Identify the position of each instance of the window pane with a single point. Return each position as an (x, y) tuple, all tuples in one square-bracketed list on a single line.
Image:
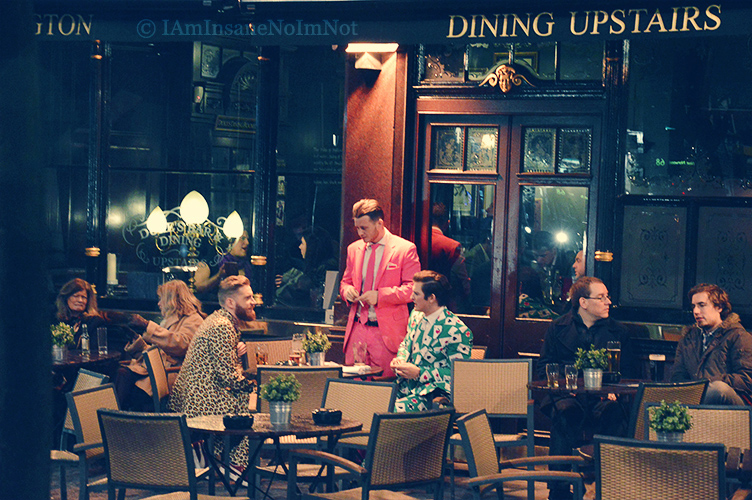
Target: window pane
[(553, 224), (461, 242), (689, 126)]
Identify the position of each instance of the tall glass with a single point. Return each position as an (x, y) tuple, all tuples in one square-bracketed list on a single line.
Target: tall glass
[(102, 340), (552, 373), (296, 354), (262, 355), (570, 375), (613, 348)]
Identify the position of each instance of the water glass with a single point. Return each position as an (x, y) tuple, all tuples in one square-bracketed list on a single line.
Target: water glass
[(613, 348), (262, 355), (570, 375), (552, 373), (102, 340), (297, 348)]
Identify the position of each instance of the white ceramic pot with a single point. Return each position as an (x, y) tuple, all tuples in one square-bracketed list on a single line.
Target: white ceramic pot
[(593, 378), (317, 358), (59, 352), (279, 412), (670, 437)]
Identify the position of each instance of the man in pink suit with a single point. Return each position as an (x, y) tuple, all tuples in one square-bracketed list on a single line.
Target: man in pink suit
[(378, 285)]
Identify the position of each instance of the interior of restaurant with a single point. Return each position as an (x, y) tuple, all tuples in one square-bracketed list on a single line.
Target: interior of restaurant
[(635, 150)]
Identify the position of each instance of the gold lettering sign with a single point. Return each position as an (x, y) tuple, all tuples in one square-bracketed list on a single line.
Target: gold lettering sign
[(587, 22), (63, 24), (235, 124)]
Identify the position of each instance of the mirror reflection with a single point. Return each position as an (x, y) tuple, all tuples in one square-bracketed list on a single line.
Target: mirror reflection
[(553, 225), (461, 242)]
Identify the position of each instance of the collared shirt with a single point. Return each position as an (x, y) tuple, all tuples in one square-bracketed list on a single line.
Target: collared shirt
[(707, 337), (377, 247), (430, 319)]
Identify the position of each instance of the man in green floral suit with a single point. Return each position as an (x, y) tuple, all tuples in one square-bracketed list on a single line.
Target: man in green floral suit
[(435, 336)]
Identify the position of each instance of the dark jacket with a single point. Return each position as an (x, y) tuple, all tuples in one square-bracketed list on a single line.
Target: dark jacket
[(728, 357), (568, 333)]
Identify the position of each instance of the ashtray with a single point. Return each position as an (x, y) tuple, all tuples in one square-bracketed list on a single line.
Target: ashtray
[(611, 377), (326, 416), (238, 421)]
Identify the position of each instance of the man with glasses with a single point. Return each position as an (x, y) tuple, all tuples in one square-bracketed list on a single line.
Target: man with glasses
[(587, 323), (717, 348)]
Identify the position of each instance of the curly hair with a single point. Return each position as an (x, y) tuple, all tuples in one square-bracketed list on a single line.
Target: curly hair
[(716, 295), (177, 299)]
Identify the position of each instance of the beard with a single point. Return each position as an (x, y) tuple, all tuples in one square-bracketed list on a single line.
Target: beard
[(245, 314)]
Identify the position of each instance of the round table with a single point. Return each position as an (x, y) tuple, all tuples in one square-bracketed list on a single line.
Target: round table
[(300, 426), (627, 387)]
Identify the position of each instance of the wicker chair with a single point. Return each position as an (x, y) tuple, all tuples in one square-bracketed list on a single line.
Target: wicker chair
[(63, 459), (689, 393), (405, 450), (85, 379), (485, 470), (83, 406), (277, 350), (160, 389), (149, 451), (478, 352), (629, 468)]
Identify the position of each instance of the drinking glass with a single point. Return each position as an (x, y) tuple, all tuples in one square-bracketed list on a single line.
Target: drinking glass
[(552, 373), (613, 348), (297, 348), (570, 375), (262, 355), (102, 340)]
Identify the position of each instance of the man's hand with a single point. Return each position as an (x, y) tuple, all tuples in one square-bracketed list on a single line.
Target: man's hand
[(351, 294), (371, 297), (242, 349), (404, 369)]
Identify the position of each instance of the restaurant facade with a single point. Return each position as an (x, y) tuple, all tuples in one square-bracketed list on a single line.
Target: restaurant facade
[(619, 129)]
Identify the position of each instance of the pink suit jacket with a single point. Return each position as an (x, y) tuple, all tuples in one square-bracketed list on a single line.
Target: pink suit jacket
[(394, 282)]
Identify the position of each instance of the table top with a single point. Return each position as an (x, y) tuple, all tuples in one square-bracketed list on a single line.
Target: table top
[(302, 426), (625, 387), (74, 358), (347, 371)]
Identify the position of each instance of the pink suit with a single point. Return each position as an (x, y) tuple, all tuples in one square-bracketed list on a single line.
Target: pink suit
[(395, 286)]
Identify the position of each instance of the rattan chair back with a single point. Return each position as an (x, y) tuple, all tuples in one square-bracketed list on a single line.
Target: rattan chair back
[(478, 443), (478, 352), (85, 379), (160, 389), (148, 451), (407, 449), (84, 405), (629, 468), (359, 400), (313, 382), (729, 425), (500, 386), (277, 350), (689, 393)]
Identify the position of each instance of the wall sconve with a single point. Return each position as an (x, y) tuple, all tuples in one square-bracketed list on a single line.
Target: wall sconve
[(370, 54), (191, 224)]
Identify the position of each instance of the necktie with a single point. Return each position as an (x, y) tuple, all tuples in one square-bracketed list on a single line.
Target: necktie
[(368, 283)]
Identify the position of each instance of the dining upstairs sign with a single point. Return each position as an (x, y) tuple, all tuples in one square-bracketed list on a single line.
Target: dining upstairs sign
[(586, 23)]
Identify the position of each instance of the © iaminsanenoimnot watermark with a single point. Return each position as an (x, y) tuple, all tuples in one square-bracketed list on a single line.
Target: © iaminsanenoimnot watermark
[(147, 28)]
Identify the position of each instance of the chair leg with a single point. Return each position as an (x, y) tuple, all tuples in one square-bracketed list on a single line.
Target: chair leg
[(83, 490), (63, 484)]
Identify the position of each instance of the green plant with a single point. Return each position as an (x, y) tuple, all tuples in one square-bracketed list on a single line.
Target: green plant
[(316, 342), (672, 417), (62, 334), (592, 358), (281, 388)]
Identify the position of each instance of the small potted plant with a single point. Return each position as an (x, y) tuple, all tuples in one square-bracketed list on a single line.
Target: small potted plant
[(280, 392), (670, 421), (62, 337), (592, 363), (316, 345)]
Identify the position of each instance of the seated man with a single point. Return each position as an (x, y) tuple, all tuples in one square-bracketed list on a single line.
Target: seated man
[(587, 323), (434, 337), (717, 348)]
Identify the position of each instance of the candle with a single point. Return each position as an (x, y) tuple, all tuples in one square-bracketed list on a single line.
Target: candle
[(112, 269)]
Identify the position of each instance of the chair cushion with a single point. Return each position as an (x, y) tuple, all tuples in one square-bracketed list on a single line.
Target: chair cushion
[(499, 439), (61, 456)]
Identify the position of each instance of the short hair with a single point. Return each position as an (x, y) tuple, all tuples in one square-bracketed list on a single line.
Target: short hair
[(717, 296), (580, 289), (433, 283), (368, 207), (72, 287), (230, 286), (178, 299), (439, 214)]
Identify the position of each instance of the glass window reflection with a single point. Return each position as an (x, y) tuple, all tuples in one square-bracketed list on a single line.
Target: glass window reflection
[(461, 242), (553, 224)]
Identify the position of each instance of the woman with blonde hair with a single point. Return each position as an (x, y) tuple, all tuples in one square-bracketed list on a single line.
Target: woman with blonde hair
[(182, 315)]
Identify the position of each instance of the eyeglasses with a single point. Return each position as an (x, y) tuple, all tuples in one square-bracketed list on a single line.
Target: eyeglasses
[(602, 298)]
